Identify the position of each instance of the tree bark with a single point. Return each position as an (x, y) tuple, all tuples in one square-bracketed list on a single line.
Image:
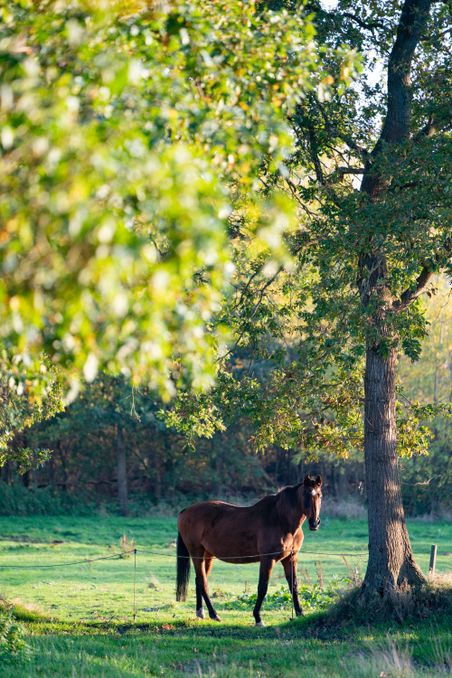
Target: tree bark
[(122, 472), (391, 567)]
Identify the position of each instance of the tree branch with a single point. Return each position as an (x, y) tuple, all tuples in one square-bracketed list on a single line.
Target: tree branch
[(313, 147), (368, 25), (346, 138), (428, 270), (411, 294), (428, 130), (295, 194), (349, 170), (433, 125)]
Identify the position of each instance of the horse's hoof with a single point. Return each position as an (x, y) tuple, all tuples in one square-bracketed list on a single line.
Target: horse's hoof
[(260, 623), (217, 618), (200, 614)]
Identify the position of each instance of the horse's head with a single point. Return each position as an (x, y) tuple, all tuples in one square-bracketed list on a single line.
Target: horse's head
[(312, 500)]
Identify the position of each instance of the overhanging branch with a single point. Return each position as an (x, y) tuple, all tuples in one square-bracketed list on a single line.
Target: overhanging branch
[(368, 25), (349, 170), (413, 293), (428, 270)]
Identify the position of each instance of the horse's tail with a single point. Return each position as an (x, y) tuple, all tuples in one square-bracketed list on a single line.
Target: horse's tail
[(183, 569)]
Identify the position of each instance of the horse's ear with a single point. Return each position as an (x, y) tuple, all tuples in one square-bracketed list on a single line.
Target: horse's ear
[(318, 480), (307, 480)]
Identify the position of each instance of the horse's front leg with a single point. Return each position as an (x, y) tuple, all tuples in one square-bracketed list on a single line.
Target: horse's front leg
[(265, 570), (290, 570)]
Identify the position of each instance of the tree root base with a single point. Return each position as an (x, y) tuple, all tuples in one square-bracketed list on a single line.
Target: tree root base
[(368, 606)]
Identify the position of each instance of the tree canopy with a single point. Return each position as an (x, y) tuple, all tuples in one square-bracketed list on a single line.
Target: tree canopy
[(310, 321), (130, 133)]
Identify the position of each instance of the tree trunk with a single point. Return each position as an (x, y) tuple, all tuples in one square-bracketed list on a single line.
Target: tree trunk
[(157, 488), (27, 479), (122, 472), (391, 567), (8, 473)]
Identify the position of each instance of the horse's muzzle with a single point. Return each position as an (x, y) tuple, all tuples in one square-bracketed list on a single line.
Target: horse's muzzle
[(314, 525)]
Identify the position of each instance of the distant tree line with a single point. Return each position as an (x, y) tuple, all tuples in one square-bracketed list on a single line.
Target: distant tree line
[(113, 443)]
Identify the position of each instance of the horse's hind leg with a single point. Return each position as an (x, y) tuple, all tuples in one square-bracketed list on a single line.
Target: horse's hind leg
[(208, 562), (201, 569), (265, 570), (290, 570)]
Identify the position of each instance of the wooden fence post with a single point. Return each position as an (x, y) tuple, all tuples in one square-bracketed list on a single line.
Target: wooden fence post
[(431, 567)]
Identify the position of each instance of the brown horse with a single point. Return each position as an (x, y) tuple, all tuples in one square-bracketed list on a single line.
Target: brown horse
[(267, 532)]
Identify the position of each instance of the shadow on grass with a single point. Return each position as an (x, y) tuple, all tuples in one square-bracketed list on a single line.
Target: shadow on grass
[(210, 649), (206, 649)]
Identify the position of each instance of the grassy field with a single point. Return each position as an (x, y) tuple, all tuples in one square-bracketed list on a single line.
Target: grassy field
[(80, 618)]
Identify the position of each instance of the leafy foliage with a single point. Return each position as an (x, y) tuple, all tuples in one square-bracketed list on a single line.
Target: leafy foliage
[(30, 392), (84, 441), (312, 597), (428, 382), (12, 635), (17, 500), (128, 136)]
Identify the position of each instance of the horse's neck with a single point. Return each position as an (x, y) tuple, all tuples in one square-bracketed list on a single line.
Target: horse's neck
[(290, 513)]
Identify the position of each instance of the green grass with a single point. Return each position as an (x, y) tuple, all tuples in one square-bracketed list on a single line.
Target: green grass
[(80, 622)]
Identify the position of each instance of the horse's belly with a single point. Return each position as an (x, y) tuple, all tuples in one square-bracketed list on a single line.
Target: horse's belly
[(240, 560), (232, 546)]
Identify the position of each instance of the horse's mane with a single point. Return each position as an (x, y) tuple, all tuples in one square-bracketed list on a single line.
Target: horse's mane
[(284, 488), (283, 500), (286, 498)]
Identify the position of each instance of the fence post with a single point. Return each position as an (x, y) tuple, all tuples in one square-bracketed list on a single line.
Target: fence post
[(431, 567), (134, 585)]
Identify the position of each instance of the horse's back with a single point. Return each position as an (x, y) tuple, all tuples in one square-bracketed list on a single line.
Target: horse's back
[(205, 514), (214, 510), (223, 529)]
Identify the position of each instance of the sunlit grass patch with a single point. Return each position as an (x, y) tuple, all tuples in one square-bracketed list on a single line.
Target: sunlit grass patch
[(80, 618)]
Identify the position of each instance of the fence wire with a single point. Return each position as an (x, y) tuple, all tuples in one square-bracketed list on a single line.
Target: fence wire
[(135, 551)]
